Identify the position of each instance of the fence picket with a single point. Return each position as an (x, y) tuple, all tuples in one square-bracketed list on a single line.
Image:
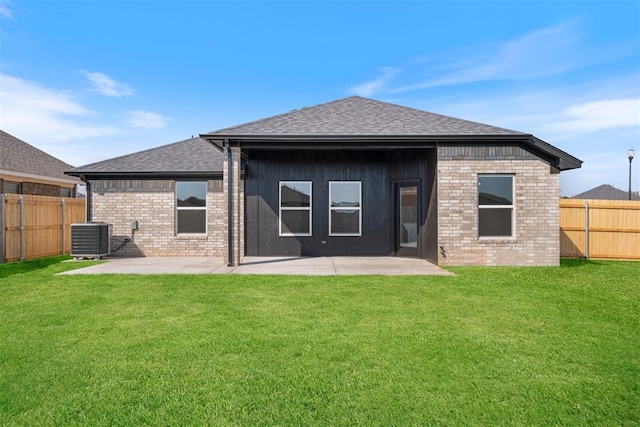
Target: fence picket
[(37, 226), (606, 229)]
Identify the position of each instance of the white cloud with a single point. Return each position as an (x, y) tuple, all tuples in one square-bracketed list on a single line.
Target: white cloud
[(600, 115), (544, 52), (5, 9), (147, 119), (596, 121), (541, 53), (376, 85), (35, 113), (107, 86)]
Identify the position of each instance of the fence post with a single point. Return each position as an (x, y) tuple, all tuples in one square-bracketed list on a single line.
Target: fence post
[(64, 222), (21, 201), (586, 229), (3, 222)]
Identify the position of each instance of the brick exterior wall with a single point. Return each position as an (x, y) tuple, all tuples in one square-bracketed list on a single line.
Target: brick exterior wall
[(152, 204), (237, 223), (37, 189), (536, 240)]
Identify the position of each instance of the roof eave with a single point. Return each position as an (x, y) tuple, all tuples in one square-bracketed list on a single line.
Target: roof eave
[(211, 137), (88, 174), (364, 142), (565, 160)]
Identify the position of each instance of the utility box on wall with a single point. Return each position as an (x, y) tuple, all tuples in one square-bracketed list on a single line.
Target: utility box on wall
[(90, 240)]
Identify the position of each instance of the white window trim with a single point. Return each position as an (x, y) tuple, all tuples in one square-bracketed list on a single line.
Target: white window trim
[(195, 208), (338, 208), (280, 209), (512, 206)]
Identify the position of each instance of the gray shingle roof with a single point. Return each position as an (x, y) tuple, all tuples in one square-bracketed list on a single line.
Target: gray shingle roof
[(190, 156), (18, 156), (606, 192), (357, 116), (350, 117)]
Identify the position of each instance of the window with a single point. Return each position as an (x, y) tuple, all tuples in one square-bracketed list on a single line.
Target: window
[(295, 208), (191, 207), (495, 205), (12, 187), (345, 199), (66, 192)]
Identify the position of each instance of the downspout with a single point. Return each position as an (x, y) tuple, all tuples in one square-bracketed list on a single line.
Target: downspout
[(229, 204), (89, 200)]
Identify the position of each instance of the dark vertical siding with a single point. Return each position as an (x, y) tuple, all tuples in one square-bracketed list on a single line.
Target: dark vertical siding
[(377, 170)]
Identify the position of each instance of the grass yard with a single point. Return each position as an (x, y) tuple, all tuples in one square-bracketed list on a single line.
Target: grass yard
[(489, 346)]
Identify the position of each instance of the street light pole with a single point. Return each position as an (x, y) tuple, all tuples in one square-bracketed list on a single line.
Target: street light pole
[(630, 154)]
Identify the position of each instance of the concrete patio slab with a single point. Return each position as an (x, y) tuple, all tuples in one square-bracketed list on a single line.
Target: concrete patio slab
[(152, 265), (315, 266)]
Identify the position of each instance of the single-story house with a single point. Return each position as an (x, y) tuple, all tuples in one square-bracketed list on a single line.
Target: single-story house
[(606, 192), (353, 177), (24, 169)]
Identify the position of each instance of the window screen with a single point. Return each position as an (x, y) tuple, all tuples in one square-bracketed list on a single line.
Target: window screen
[(495, 205), (191, 207), (295, 208), (345, 200)]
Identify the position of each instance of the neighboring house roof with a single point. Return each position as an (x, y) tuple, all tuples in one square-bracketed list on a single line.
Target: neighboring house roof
[(24, 160), (191, 157), (357, 122), (606, 192)]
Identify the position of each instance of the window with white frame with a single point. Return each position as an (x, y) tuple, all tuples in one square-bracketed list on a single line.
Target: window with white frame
[(295, 208), (495, 205), (191, 207), (345, 211)]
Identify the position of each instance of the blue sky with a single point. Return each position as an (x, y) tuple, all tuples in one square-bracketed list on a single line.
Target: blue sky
[(90, 80)]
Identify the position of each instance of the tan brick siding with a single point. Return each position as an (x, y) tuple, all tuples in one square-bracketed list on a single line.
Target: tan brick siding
[(152, 204), (536, 238), (237, 222)]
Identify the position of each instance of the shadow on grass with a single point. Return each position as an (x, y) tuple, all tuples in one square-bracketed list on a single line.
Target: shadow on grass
[(577, 262), (18, 267)]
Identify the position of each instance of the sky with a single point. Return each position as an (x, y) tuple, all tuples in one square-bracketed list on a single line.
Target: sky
[(88, 80)]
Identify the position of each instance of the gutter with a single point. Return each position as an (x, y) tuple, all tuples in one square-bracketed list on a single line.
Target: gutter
[(146, 175), (214, 138)]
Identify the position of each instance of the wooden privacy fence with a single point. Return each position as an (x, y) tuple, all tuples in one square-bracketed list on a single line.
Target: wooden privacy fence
[(600, 229), (37, 226)]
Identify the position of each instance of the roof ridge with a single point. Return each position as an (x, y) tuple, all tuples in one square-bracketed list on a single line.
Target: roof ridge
[(295, 110), (291, 116)]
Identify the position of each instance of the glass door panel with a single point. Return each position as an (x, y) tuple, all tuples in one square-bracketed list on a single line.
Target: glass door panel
[(408, 217)]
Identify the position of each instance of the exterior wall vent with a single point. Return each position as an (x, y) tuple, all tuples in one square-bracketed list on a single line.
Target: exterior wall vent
[(90, 240)]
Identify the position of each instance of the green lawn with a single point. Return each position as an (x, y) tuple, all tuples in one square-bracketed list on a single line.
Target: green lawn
[(489, 346)]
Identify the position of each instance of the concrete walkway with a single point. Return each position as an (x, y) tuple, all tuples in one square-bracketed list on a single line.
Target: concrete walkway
[(316, 266)]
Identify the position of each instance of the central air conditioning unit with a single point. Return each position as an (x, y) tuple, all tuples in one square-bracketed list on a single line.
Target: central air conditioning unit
[(90, 240)]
